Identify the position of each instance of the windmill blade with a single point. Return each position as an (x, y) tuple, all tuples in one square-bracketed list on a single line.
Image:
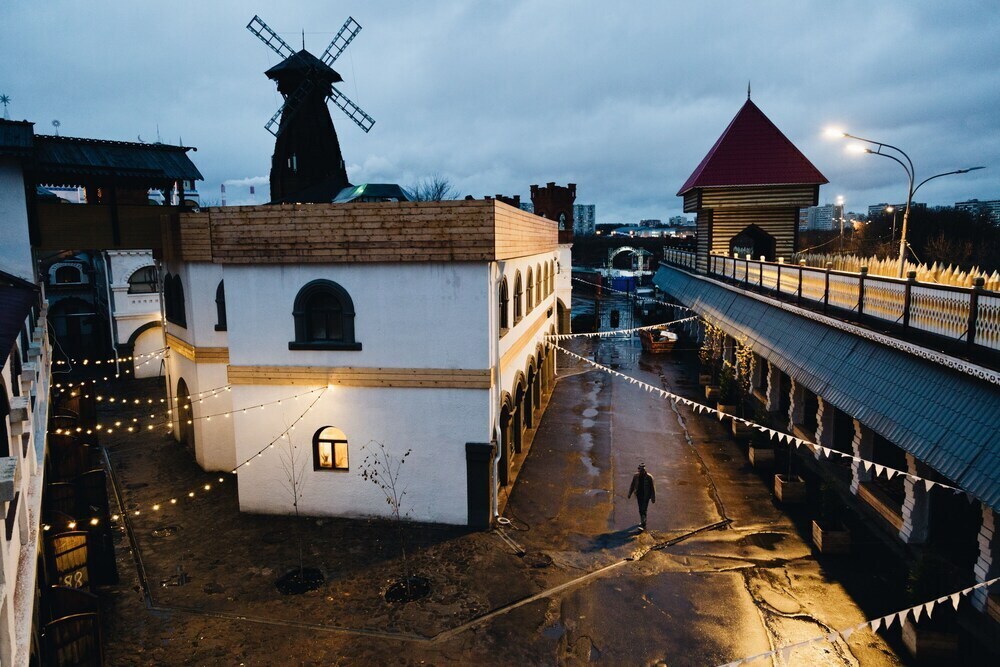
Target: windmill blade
[(269, 37), (353, 111), (347, 33), (291, 105)]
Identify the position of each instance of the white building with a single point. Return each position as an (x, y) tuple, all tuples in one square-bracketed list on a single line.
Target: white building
[(822, 218), (584, 219), (418, 325), (131, 297)]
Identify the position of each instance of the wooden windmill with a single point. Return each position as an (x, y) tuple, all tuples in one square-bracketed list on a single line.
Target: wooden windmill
[(307, 165)]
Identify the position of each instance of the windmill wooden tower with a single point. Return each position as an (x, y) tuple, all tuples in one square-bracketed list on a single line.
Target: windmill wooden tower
[(307, 165)]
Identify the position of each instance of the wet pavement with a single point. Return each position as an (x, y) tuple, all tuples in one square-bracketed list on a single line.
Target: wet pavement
[(721, 574)]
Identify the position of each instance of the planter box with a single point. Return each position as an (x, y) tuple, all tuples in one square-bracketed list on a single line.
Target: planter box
[(929, 644), (727, 408), (831, 539), (761, 457), (712, 392), (790, 490), (741, 431), (705, 379)]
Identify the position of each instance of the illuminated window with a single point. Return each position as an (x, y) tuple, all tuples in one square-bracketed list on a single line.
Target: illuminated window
[(330, 449)]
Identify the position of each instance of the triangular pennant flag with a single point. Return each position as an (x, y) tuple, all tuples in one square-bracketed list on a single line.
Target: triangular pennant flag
[(721, 415), (867, 465), (876, 624), (889, 620), (917, 612), (785, 653), (955, 599), (879, 469), (783, 437), (928, 484), (832, 637), (846, 634), (890, 473)]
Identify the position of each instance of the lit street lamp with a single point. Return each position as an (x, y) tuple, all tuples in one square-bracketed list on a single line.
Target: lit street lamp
[(892, 209), (910, 175)]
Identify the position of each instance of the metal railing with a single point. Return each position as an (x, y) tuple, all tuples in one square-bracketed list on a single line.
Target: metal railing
[(969, 315)]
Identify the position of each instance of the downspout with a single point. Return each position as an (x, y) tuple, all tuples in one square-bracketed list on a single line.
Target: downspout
[(111, 308), (494, 281)]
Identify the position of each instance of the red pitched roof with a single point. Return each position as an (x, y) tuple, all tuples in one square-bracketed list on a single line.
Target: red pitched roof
[(753, 151)]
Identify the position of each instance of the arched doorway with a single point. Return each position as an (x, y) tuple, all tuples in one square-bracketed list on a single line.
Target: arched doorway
[(517, 417), (562, 317), (753, 241), (529, 398), (503, 474), (75, 325), (185, 414)]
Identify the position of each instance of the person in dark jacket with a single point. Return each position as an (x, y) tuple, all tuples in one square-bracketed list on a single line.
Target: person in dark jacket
[(642, 487)]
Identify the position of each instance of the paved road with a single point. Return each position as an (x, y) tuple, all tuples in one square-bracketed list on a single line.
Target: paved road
[(713, 598)]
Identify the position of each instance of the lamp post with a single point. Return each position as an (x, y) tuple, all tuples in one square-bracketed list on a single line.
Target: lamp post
[(910, 175), (892, 209), (840, 205)]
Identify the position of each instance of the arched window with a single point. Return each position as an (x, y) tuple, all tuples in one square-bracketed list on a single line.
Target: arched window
[(168, 297), (504, 306), (518, 292), (324, 318), (552, 278), (175, 302), (68, 275), (330, 449), (143, 281), (220, 306), (530, 292), (538, 285)]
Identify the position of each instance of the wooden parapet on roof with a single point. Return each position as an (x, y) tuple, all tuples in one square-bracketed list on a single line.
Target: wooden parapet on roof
[(748, 189), (446, 231)]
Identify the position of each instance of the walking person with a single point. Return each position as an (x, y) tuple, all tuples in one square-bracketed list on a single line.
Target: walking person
[(642, 487)]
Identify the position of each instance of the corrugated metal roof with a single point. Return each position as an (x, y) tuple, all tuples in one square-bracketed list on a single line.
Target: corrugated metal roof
[(752, 151), (946, 419), (58, 157), (16, 137)]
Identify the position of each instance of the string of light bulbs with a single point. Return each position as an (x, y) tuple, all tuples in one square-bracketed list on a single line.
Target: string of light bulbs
[(135, 426), (617, 332), (98, 362), (786, 438), (886, 622), (204, 488)]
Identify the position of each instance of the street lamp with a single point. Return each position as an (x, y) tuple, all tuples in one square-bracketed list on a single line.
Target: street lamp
[(910, 175), (892, 209), (840, 204)]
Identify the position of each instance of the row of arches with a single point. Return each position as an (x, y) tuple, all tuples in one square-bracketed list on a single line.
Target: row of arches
[(519, 410), (540, 284)]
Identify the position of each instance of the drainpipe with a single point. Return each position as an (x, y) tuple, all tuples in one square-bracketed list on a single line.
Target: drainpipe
[(494, 280), (111, 308)]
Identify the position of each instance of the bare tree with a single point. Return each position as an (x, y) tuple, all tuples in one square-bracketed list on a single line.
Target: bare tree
[(435, 188), (382, 469), (294, 465)]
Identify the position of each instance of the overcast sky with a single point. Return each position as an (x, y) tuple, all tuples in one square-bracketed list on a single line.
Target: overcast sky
[(623, 99)]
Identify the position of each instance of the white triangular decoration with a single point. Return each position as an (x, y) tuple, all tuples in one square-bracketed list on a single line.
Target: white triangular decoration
[(879, 469), (890, 473), (889, 620), (928, 484), (846, 634), (876, 624), (955, 599), (917, 612), (785, 653), (867, 465)]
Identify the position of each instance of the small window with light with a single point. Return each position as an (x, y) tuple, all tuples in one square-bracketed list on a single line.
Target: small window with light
[(330, 449)]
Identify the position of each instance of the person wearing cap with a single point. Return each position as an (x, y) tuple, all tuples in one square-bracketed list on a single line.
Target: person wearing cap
[(642, 487)]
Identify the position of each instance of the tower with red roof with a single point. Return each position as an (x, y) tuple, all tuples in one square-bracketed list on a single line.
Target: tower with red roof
[(748, 189)]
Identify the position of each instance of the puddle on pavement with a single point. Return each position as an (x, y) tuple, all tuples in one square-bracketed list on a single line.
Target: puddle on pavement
[(554, 631), (588, 463), (594, 492), (764, 540), (165, 531), (590, 412)]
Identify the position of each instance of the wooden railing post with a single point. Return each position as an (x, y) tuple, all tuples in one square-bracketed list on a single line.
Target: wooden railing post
[(826, 287), (777, 284), (746, 271), (911, 277), (760, 273), (798, 295), (861, 289), (977, 287)]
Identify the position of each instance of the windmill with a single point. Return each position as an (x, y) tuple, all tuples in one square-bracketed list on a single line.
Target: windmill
[(307, 165)]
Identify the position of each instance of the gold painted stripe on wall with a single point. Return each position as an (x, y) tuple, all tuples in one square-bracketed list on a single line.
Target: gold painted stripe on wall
[(199, 355), (526, 337), (434, 378)]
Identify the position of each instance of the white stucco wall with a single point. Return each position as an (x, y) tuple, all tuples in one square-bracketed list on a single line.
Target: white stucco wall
[(435, 424), (538, 319), (200, 280), (214, 441), (15, 250), (131, 311), (147, 365), (412, 315)]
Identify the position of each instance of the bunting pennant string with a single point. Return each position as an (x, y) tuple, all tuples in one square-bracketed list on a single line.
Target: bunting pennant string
[(773, 433), (883, 622), (635, 296), (617, 332), (201, 489)]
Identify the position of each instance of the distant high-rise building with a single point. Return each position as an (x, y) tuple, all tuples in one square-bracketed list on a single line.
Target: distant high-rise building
[(584, 219), (822, 218), (975, 206), (650, 222), (527, 206), (680, 221)]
